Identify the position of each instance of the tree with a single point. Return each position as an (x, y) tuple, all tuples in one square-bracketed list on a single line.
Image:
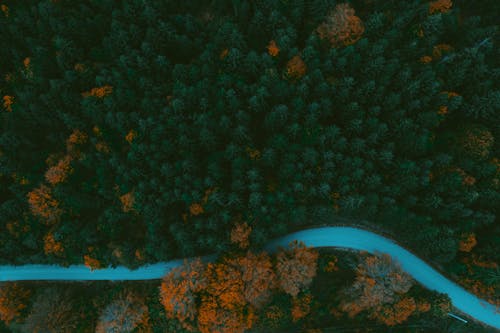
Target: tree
[(341, 27), (52, 311), (380, 289), (178, 291), (122, 315), (257, 275), (13, 300), (240, 234), (440, 6), (467, 242), (58, 173), (296, 67), (296, 267), (43, 204)]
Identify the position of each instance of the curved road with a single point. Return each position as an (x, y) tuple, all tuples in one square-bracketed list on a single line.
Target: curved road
[(344, 237)]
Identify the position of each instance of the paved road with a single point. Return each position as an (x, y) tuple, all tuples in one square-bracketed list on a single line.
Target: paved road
[(343, 237)]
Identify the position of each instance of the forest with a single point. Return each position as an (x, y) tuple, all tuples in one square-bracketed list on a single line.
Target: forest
[(140, 131)]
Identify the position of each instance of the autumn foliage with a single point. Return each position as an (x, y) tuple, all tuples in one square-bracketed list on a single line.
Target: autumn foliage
[(341, 27), (127, 201), (296, 67), (301, 306), (7, 102), (440, 6), (240, 234), (43, 205), (5, 10), (380, 289), (179, 289), (99, 92), (51, 246), (224, 296), (59, 172), (13, 299), (296, 267), (467, 242), (91, 263), (477, 141), (130, 136), (273, 49), (196, 209), (123, 314)]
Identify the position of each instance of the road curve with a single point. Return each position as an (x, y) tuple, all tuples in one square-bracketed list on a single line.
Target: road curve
[(343, 237)]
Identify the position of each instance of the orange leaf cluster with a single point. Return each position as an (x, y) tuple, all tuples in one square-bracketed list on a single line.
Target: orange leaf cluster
[(42, 204), (102, 147), (214, 319), (240, 234), (481, 290), (196, 209), (440, 6), (332, 265), (127, 201), (79, 67), (223, 54), (437, 51), (301, 306), (397, 313), (467, 242), (59, 172), (51, 246), (99, 92), (254, 154), (91, 263), (77, 137), (7, 102), (423, 307), (5, 10), (425, 59), (479, 262), (273, 49), (13, 299), (130, 136), (296, 267), (342, 27), (443, 109), (296, 67)]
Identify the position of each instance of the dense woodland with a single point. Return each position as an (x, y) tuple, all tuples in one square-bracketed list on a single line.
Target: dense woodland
[(141, 131)]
